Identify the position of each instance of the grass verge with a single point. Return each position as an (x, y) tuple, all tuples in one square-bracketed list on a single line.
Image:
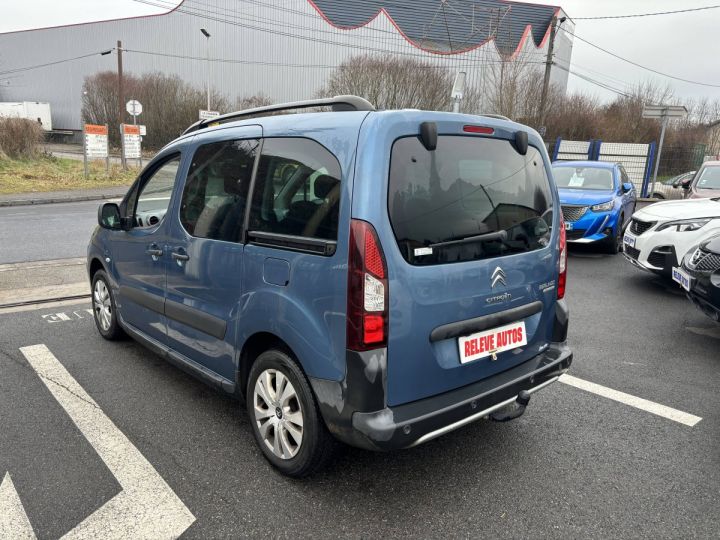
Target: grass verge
[(49, 173)]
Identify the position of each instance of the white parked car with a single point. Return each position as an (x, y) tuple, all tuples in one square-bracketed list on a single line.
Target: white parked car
[(660, 235)]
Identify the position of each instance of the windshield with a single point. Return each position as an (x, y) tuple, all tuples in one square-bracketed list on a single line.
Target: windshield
[(583, 178), (472, 198), (709, 178)]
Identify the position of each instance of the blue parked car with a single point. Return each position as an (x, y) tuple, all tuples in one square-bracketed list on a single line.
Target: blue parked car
[(597, 200), (376, 278)]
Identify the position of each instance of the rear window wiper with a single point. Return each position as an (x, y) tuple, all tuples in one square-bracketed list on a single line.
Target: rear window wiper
[(488, 237)]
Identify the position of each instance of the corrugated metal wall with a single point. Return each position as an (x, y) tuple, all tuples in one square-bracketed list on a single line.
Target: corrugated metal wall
[(284, 50)]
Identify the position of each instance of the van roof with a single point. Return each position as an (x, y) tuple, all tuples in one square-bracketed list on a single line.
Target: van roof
[(297, 124)]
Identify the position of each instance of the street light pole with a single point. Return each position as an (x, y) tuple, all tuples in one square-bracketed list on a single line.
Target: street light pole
[(207, 62)]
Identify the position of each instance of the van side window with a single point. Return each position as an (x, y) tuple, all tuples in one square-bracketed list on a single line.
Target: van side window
[(153, 197), (215, 193), (297, 189)]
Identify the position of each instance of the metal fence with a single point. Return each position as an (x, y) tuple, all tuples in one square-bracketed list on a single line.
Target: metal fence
[(675, 160)]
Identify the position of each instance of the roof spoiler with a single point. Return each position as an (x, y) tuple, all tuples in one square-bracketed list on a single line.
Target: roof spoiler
[(337, 103)]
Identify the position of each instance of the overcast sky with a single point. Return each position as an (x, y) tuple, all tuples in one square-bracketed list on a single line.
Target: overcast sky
[(684, 45)]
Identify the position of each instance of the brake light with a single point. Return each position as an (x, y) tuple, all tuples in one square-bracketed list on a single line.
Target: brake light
[(367, 294), (562, 264), (479, 129)]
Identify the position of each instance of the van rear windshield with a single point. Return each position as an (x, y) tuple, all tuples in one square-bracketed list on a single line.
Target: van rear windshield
[(472, 198)]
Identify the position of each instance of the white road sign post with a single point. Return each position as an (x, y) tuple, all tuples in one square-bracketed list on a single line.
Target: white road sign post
[(134, 108), (663, 113), (95, 144), (208, 115)]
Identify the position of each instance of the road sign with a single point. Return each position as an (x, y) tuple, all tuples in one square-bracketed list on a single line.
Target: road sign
[(96, 141), (131, 141), (207, 115), (134, 107), (143, 130), (664, 111)]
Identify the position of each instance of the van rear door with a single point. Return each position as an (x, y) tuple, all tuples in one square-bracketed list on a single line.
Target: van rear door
[(474, 267)]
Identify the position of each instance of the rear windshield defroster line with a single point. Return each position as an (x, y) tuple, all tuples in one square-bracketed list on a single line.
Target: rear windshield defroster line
[(472, 198)]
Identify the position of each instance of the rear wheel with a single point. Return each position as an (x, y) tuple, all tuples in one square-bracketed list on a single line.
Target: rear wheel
[(104, 310), (285, 417), (614, 243)]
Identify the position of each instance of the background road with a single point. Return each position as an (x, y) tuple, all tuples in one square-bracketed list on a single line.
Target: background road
[(575, 465), (46, 231)]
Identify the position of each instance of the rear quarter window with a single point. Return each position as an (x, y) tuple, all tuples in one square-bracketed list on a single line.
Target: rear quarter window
[(472, 198)]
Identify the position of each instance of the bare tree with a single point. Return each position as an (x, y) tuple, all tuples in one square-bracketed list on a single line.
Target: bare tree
[(250, 102), (391, 82), (169, 104)]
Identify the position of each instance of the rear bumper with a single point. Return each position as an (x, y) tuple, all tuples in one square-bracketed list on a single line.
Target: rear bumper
[(408, 425)]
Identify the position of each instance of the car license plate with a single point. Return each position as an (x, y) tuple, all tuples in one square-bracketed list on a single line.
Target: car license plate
[(492, 342), (629, 240), (568, 226), (679, 275)]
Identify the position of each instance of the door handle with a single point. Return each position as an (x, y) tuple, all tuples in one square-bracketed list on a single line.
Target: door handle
[(180, 257), (154, 251)]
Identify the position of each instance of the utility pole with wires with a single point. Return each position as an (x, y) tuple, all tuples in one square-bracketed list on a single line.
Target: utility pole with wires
[(121, 100), (548, 68)]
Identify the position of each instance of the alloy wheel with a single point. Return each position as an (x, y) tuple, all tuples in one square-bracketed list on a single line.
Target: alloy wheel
[(278, 413), (102, 305)]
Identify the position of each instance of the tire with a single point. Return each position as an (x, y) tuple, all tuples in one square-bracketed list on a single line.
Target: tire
[(276, 422), (104, 310), (614, 245), (658, 195)]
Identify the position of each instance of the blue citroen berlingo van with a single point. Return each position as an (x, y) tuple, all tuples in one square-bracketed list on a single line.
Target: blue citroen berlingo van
[(378, 278)]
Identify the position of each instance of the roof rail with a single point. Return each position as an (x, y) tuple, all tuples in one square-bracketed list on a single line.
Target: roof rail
[(338, 103), (496, 116)]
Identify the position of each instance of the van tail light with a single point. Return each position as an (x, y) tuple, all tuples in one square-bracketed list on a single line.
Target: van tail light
[(367, 293), (562, 275)]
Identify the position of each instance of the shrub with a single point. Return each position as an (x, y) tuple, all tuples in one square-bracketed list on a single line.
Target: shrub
[(19, 137)]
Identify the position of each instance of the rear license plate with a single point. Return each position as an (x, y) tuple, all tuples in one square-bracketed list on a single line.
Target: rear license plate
[(679, 275), (629, 240), (568, 226), (491, 342)]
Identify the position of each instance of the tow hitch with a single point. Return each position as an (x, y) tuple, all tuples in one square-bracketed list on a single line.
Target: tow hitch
[(514, 410)]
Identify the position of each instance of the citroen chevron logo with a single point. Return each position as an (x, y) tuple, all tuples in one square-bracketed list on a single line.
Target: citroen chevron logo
[(498, 276)]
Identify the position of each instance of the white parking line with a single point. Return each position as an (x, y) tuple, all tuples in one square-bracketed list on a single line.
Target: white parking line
[(146, 507), (14, 522), (639, 403)]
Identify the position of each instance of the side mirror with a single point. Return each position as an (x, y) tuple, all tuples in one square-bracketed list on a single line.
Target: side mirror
[(109, 216), (685, 184), (627, 187)]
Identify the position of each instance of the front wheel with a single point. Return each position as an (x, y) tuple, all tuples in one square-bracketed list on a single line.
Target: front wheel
[(614, 244), (104, 310), (285, 417)]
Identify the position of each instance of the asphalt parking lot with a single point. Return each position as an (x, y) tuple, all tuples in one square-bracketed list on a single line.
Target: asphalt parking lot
[(576, 464)]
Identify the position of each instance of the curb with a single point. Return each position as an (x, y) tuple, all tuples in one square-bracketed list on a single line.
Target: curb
[(53, 200)]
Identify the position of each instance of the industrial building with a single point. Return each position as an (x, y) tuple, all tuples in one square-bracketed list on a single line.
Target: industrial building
[(283, 49)]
